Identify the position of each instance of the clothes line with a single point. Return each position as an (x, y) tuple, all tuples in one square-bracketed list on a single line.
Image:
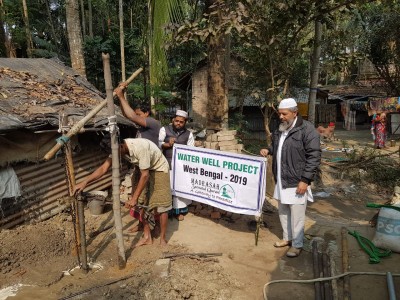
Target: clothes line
[(386, 105)]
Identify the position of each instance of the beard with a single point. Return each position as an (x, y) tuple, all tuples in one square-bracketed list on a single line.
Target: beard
[(285, 125)]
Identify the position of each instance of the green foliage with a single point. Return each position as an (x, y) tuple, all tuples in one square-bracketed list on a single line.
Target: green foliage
[(377, 168), (300, 73), (93, 48), (381, 41)]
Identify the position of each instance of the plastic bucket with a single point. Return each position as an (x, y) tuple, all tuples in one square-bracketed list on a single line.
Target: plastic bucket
[(96, 201)]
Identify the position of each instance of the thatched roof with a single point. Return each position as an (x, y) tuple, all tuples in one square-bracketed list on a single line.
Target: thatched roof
[(35, 92)]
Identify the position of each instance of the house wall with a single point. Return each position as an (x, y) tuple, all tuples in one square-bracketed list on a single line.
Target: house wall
[(44, 188)]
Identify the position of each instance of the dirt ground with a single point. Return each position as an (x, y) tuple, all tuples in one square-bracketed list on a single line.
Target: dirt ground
[(38, 261)]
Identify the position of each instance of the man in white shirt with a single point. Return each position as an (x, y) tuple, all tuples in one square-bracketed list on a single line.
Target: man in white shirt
[(296, 158)]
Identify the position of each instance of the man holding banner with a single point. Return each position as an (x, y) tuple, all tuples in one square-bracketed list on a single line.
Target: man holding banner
[(176, 133), (296, 155)]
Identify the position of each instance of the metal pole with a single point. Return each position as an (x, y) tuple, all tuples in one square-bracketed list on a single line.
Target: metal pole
[(390, 284), (115, 162)]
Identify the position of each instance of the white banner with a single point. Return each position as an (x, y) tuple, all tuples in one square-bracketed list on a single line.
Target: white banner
[(229, 181)]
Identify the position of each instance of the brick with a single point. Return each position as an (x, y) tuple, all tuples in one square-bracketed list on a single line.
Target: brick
[(209, 138), (204, 212), (211, 145), (231, 147), (226, 132), (228, 143), (226, 138), (214, 138), (221, 211), (198, 206), (199, 144), (240, 148), (162, 267), (236, 216), (216, 215)]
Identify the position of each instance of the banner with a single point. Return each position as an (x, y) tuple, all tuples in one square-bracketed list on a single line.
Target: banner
[(229, 181)]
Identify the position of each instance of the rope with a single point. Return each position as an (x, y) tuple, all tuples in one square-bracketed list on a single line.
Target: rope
[(374, 252), (320, 279), (62, 140)]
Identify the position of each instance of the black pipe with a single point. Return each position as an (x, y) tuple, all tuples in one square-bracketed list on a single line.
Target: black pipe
[(326, 273), (317, 285), (81, 216)]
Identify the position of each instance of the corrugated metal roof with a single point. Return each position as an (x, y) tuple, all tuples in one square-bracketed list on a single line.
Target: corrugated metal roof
[(35, 92)]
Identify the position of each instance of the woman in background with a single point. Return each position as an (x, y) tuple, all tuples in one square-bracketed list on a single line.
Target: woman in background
[(378, 130)]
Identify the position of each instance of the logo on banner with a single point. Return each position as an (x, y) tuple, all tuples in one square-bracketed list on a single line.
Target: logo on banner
[(227, 192)]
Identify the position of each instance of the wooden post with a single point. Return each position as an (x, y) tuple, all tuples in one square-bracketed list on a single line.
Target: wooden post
[(70, 175), (115, 162)]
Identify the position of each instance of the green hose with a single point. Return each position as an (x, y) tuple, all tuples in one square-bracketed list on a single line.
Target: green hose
[(373, 205), (374, 252)]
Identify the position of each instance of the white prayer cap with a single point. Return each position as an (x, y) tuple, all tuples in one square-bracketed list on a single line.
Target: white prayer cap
[(181, 113), (287, 103)]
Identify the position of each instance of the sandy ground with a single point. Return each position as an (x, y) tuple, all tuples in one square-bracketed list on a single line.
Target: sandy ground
[(36, 255)]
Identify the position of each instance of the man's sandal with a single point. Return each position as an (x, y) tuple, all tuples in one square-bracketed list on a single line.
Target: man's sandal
[(282, 243), (293, 252)]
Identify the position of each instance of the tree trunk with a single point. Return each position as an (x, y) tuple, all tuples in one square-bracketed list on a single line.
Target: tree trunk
[(314, 71), (90, 17), (149, 53), (3, 37), (75, 37), (83, 21), (121, 39), (53, 32), (29, 42), (217, 115)]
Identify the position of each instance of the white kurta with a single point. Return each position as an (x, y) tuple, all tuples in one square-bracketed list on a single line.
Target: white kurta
[(177, 202), (288, 195)]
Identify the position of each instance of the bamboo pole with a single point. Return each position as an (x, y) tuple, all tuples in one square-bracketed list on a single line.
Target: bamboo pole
[(115, 163), (77, 127)]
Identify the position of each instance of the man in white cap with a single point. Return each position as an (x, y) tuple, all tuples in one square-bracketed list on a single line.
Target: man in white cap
[(296, 157), (176, 132)]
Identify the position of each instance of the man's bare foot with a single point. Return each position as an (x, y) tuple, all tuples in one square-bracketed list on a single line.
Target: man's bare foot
[(180, 217), (163, 242), (144, 241)]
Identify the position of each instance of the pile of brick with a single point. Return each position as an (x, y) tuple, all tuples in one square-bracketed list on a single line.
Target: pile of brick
[(223, 140), (208, 211)]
